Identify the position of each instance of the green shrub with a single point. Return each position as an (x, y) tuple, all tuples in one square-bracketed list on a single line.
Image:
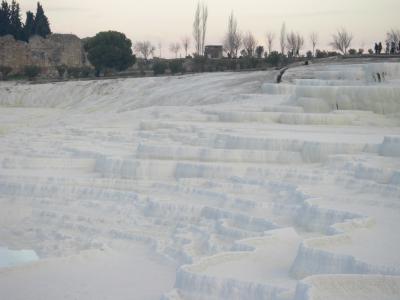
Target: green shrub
[(332, 53), (232, 64), (274, 59), (176, 66), (248, 62), (210, 68), (159, 67), (74, 72), (222, 65), (86, 72), (5, 70), (253, 62), (199, 63), (320, 54), (352, 51), (32, 71), (142, 66), (61, 70), (79, 72)]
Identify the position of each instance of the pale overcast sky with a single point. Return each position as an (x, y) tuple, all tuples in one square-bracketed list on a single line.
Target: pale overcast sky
[(167, 21)]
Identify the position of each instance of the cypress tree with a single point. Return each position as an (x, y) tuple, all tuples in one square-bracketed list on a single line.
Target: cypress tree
[(4, 18), (42, 26), (29, 27), (15, 21)]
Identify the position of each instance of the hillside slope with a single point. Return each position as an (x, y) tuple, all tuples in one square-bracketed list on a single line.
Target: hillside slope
[(212, 186)]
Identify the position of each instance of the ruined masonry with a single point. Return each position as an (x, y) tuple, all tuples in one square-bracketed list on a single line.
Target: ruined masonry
[(57, 49)]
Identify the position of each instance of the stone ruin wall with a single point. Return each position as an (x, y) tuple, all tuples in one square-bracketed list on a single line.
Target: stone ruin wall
[(55, 50)]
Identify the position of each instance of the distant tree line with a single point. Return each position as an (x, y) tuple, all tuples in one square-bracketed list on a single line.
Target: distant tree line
[(10, 22), (111, 51)]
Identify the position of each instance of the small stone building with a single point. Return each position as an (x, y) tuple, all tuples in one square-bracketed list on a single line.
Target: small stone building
[(213, 51), (57, 49)]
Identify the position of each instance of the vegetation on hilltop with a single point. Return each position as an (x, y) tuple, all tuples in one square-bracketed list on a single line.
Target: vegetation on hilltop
[(10, 22)]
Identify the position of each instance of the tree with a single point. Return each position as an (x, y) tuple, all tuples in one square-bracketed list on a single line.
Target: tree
[(393, 36), (200, 27), (160, 48), (174, 48), (10, 22), (314, 41), (342, 40), (274, 58), (186, 44), (4, 18), (270, 40), (42, 26), (204, 18), (145, 48), (300, 44), (233, 38), (259, 51), (110, 50), (197, 30), (291, 44), (15, 24), (283, 38), (249, 43), (294, 43), (29, 27)]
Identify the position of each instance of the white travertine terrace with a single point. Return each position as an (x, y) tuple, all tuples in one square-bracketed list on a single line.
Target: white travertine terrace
[(213, 186)]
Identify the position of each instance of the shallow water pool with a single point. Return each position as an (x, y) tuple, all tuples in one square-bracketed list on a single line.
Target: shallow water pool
[(11, 258)]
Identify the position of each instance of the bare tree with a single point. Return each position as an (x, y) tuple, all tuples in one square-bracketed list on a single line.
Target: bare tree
[(294, 43), (283, 38), (233, 38), (291, 42), (249, 43), (196, 29), (300, 43), (160, 48), (145, 48), (186, 44), (314, 41), (174, 48), (204, 18), (270, 40), (200, 27), (393, 35), (342, 40)]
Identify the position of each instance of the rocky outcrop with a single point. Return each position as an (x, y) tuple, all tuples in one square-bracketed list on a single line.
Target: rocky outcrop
[(57, 49)]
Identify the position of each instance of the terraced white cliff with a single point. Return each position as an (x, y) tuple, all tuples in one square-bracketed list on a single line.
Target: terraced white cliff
[(214, 186)]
